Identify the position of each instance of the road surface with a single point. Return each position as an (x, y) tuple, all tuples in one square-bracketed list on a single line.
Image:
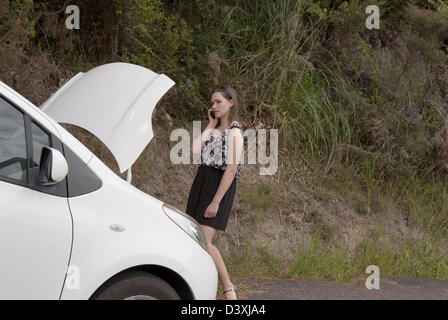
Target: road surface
[(391, 288)]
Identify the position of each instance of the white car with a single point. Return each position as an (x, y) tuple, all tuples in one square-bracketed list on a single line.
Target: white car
[(70, 228)]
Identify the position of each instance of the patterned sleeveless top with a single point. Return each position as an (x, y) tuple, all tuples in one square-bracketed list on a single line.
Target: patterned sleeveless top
[(220, 146)]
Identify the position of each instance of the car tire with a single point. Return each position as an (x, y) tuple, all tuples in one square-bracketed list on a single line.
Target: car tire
[(136, 285)]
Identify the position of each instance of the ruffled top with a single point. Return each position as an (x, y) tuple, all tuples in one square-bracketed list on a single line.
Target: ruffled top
[(215, 151)]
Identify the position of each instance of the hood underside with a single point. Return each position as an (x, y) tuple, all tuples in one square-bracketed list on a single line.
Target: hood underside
[(114, 102)]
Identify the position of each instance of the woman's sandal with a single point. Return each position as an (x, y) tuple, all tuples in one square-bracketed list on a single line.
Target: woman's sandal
[(233, 289)]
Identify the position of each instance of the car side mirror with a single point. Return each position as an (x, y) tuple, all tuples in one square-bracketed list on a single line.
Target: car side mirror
[(53, 166)]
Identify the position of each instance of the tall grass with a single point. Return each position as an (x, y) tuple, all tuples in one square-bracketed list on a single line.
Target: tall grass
[(414, 257), (267, 46), (427, 202), (319, 261), (256, 262)]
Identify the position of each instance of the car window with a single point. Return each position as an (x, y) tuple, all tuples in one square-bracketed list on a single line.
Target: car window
[(40, 139), (13, 158)]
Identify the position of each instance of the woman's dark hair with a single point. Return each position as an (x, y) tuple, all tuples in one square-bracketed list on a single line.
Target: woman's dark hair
[(230, 94)]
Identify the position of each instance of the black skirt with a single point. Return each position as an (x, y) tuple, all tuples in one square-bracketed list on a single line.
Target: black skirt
[(203, 191)]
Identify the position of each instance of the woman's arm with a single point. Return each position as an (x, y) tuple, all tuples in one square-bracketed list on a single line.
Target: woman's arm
[(198, 143), (235, 153)]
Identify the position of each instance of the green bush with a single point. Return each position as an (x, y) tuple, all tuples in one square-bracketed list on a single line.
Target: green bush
[(17, 28)]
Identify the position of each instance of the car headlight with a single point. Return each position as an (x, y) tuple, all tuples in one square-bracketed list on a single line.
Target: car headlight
[(186, 223)]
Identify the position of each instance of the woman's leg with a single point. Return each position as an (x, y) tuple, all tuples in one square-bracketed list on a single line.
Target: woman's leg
[(219, 262)]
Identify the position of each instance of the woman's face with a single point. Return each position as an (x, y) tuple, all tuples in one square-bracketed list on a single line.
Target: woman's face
[(220, 105)]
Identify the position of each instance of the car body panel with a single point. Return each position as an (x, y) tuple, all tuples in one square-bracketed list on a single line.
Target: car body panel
[(149, 237), (35, 243), (114, 102)]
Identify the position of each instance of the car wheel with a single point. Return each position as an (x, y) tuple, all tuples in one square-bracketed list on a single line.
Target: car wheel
[(136, 285)]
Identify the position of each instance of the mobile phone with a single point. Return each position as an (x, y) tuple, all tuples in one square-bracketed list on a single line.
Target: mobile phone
[(212, 114)]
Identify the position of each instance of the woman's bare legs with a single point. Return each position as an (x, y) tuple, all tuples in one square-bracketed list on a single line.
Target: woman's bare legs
[(219, 262)]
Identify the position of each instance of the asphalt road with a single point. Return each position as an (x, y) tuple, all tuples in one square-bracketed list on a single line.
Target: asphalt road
[(391, 288)]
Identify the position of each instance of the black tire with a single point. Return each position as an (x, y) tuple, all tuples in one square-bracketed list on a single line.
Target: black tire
[(136, 284)]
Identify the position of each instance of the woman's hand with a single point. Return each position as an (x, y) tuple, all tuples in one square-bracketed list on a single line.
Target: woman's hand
[(211, 121), (211, 210)]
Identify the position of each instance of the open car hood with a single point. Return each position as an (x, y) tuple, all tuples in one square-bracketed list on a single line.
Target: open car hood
[(114, 102)]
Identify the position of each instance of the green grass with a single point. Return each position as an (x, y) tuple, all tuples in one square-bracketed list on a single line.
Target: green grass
[(320, 261), (321, 191), (364, 206), (255, 262), (325, 231), (343, 180), (426, 201), (418, 257), (421, 257), (259, 200)]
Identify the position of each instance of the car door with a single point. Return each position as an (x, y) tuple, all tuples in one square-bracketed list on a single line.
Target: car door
[(35, 221)]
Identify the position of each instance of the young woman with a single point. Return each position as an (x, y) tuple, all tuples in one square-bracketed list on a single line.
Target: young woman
[(213, 189)]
